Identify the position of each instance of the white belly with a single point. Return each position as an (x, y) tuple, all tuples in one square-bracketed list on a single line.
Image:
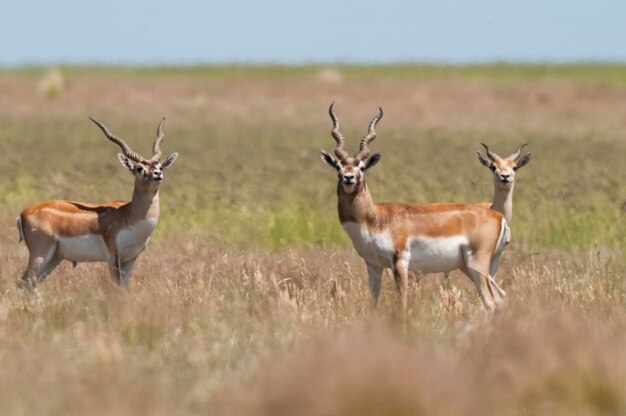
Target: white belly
[(133, 240), (440, 254), (84, 248), (375, 247)]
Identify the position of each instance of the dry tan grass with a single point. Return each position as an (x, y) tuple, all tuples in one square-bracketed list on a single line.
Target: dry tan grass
[(204, 329), (545, 363)]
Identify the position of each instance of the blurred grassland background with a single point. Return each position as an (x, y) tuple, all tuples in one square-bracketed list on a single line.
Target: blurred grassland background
[(250, 140), (250, 299)]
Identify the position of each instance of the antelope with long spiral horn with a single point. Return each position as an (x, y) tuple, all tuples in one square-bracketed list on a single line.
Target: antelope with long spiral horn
[(429, 237), (114, 232)]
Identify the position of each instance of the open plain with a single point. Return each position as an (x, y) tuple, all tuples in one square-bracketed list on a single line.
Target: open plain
[(250, 298)]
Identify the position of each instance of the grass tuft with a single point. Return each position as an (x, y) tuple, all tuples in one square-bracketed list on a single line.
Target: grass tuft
[(52, 85)]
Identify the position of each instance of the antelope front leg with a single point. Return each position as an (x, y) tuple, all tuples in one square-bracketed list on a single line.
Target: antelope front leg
[(375, 275), (493, 268), (401, 277), (115, 269), (126, 269), (120, 271), (477, 269)]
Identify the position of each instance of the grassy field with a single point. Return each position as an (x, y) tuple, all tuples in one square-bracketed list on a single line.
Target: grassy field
[(250, 299)]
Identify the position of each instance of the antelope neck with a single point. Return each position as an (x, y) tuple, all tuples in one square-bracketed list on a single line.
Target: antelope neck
[(145, 204), (503, 202), (357, 207)]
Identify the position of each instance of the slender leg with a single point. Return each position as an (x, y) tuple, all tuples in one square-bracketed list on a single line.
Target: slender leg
[(115, 270), (493, 268), (26, 281), (495, 262), (400, 275), (38, 265), (126, 269), (48, 268), (477, 269), (375, 274), (446, 281)]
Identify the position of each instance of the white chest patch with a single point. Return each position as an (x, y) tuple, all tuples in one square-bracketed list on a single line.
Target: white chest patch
[(133, 240), (440, 254), (375, 247), (84, 248)]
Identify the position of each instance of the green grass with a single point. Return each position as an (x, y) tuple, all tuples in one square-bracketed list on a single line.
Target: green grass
[(587, 73), (563, 198)]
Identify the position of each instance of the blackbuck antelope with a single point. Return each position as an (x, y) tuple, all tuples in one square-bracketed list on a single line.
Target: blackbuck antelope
[(503, 178), (115, 232), (429, 237)]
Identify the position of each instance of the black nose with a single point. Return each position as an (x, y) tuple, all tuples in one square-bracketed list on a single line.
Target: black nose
[(505, 176)]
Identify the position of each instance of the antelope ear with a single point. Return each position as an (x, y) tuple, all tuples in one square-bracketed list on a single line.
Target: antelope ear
[(329, 160), (372, 160), (523, 161), (169, 161), (126, 162), (483, 159)]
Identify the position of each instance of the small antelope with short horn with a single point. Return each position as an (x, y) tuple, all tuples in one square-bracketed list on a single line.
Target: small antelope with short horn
[(429, 237), (114, 232), (503, 178)]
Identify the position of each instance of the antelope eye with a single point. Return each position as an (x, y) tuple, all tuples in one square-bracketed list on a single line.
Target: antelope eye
[(493, 168), (139, 169)]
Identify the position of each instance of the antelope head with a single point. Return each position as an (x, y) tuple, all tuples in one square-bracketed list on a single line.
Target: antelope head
[(351, 170), (504, 168), (148, 172)]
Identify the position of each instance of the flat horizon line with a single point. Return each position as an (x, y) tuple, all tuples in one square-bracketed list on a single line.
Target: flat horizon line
[(309, 64)]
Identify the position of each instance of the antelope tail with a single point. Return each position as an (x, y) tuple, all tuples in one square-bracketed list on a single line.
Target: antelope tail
[(20, 229)]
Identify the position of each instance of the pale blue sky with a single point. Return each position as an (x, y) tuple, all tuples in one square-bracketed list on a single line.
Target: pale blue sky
[(275, 31)]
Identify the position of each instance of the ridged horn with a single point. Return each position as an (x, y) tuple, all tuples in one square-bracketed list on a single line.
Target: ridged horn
[(128, 152), (341, 141), (156, 146), (364, 150)]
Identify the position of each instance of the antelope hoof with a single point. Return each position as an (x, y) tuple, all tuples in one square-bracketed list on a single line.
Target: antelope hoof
[(25, 284)]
